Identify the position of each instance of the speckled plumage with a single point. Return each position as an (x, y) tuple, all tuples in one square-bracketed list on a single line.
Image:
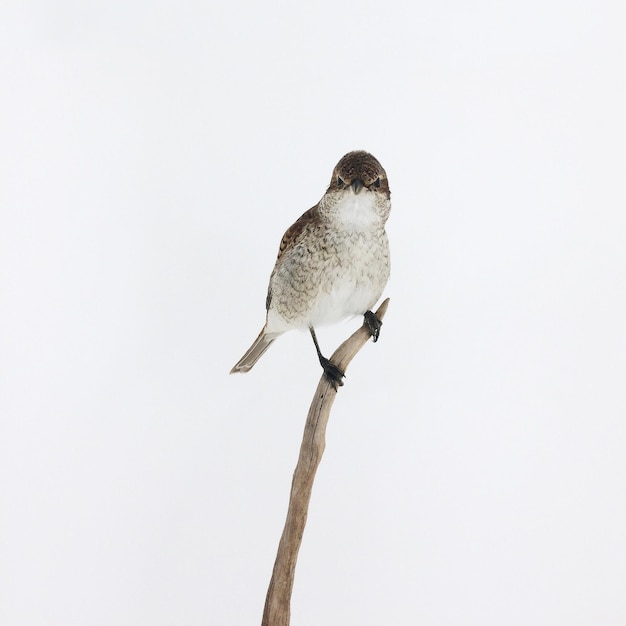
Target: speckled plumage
[(333, 262)]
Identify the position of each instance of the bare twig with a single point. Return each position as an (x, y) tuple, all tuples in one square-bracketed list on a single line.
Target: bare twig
[(277, 601)]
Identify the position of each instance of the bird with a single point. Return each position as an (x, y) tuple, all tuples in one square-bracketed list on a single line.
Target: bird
[(333, 262)]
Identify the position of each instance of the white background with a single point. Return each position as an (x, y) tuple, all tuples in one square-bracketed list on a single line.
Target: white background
[(153, 153)]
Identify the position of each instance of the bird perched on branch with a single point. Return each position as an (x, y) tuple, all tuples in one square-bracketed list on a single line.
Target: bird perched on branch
[(333, 262)]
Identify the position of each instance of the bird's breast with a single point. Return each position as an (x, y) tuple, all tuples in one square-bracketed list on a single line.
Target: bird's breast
[(337, 269), (354, 277)]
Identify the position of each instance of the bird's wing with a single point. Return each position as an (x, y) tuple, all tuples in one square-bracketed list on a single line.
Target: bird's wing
[(289, 239), (295, 230)]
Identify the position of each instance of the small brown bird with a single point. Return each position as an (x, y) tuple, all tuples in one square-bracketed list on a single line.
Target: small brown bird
[(333, 262)]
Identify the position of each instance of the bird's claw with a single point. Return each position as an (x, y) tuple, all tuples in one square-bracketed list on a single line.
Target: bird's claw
[(333, 373), (373, 324)]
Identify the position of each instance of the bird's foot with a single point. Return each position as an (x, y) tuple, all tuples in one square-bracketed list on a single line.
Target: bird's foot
[(373, 324), (333, 373)]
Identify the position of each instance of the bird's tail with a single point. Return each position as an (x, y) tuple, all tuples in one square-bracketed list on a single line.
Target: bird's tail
[(255, 352)]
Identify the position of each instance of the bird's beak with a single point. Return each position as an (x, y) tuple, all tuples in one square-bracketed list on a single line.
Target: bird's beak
[(357, 185)]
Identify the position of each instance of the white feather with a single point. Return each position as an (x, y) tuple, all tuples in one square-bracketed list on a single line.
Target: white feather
[(356, 211)]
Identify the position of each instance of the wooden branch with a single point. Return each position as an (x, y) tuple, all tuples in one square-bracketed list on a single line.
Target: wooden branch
[(277, 601)]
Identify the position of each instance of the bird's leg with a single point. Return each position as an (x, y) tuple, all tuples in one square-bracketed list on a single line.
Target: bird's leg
[(333, 373), (373, 324)]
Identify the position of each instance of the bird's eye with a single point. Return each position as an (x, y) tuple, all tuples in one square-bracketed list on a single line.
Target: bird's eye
[(340, 182), (377, 182)]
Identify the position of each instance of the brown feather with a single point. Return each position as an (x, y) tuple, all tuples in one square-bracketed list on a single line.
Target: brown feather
[(289, 239), (295, 230)]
